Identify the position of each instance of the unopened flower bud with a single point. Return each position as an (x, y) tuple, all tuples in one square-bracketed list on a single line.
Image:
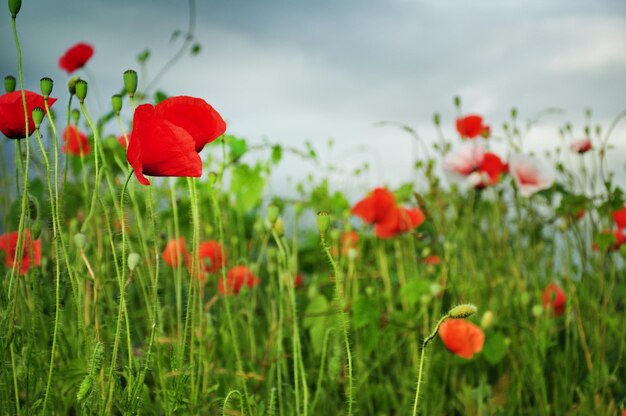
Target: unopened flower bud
[(9, 83), (133, 261), (75, 116), (457, 101), (130, 82), (80, 240), (116, 103), (437, 119), (272, 213), (463, 311), (38, 115), (14, 7), (279, 227), (35, 230), (212, 177), (323, 222), (46, 85), (487, 320), (71, 85), (81, 90), (513, 112)]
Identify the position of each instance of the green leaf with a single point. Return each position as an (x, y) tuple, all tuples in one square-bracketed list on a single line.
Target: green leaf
[(247, 186), (494, 349), (414, 289), (237, 146), (364, 313)]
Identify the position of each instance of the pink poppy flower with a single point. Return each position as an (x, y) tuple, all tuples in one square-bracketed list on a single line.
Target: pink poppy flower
[(581, 146), (530, 174)]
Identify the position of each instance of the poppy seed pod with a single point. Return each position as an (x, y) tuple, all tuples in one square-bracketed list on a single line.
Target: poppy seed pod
[(323, 222), (116, 103), (9, 83), (14, 7), (463, 311), (71, 85), (130, 82), (81, 90), (38, 115), (46, 85)]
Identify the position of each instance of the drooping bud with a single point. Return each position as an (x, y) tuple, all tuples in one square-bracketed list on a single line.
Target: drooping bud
[(463, 311), (272, 213), (14, 7), (80, 240), (38, 115), (35, 230), (81, 90), (130, 82), (9, 83), (323, 222), (71, 85), (116, 103), (46, 85), (133, 261)]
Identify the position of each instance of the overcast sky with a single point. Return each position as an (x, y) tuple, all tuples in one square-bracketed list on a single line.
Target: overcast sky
[(291, 71)]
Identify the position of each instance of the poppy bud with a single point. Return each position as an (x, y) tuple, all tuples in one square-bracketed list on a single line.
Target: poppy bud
[(537, 310), (81, 90), (9, 83), (46, 85), (71, 85), (116, 102), (133, 261), (513, 112), (212, 177), (279, 227), (297, 208), (457, 101), (335, 234), (38, 115), (75, 115), (80, 240), (130, 82), (463, 311), (272, 213), (323, 222), (487, 320), (14, 7), (35, 230)]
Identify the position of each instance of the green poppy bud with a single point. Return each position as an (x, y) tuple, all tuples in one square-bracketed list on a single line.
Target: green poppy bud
[(323, 222), (212, 177), (457, 101), (272, 213), (133, 261), (279, 227), (71, 85), (81, 90), (116, 103), (80, 240), (46, 85), (437, 119), (38, 115), (75, 115), (130, 82), (9, 83), (487, 320), (35, 230), (513, 112), (463, 311), (14, 7)]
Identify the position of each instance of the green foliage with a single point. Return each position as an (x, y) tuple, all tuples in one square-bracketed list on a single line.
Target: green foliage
[(246, 186)]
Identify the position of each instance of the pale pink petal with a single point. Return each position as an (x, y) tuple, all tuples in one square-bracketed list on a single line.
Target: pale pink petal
[(465, 159), (531, 174)]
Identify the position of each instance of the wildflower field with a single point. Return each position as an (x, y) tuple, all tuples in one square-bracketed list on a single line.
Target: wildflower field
[(146, 269)]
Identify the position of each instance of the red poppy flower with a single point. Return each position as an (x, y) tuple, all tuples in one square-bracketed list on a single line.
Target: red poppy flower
[(462, 337), (376, 206), (166, 139), (619, 218), (432, 259), (298, 281), (174, 252), (76, 142), (472, 126), (493, 167), (398, 221), (554, 298), (349, 241), (211, 257), (31, 250), (76, 57), (12, 123), (236, 278), (620, 239), (581, 146)]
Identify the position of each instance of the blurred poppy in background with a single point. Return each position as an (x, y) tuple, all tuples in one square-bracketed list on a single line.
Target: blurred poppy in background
[(462, 337), (76, 57)]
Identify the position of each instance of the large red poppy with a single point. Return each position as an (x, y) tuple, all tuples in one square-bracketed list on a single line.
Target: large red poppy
[(12, 123), (211, 259), (462, 337), (174, 252), (31, 250), (236, 278), (166, 138), (399, 220), (554, 299), (493, 167), (76, 142), (76, 57), (472, 126), (375, 207)]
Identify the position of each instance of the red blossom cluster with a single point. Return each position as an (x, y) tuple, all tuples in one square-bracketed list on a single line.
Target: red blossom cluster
[(31, 250), (380, 209)]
